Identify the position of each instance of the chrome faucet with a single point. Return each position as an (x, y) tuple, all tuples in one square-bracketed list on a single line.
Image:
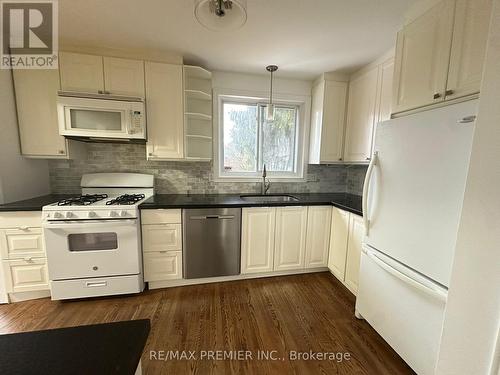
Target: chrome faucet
[(265, 184)]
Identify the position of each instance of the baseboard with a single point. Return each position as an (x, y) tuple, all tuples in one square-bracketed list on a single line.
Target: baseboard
[(183, 282), (25, 296)]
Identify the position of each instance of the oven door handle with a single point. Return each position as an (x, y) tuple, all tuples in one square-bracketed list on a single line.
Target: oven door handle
[(88, 223)]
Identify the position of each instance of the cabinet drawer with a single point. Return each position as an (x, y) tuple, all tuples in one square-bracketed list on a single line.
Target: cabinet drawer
[(161, 237), (26, 275), (21, 243), (162, 265), (18, 219), (161, 216)]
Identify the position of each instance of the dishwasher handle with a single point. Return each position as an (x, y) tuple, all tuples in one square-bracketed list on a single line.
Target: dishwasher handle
[(206, 217)]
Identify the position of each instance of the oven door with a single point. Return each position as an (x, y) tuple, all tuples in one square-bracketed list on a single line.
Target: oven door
[(92, 248)]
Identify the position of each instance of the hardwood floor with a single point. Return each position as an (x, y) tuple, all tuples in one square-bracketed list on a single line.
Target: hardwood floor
[(302, 313)]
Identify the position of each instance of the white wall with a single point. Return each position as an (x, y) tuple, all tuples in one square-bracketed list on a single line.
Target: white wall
[(20, 178), (472, 318), (260, 83)]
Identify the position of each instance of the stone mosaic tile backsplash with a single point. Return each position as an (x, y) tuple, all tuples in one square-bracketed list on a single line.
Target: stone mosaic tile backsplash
[(173, 177)]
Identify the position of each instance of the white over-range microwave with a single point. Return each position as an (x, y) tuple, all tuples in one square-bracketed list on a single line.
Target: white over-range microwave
[(101, 117)]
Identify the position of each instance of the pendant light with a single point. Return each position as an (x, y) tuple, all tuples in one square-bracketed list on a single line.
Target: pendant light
[(221, 15), (270, 107)]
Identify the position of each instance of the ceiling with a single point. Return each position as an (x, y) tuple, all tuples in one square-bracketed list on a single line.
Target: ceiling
[(303, 37)]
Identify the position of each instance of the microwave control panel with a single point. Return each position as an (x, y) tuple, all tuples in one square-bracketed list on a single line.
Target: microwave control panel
[(135, 122)]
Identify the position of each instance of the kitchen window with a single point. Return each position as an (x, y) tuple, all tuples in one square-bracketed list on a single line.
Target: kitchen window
[(248, 141)]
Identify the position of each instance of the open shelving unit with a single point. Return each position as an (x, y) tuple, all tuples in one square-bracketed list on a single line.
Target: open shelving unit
[(197, 113)]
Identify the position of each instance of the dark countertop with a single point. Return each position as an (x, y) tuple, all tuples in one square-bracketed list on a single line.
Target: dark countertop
[(110, 348), (33, 204), (348, 202)]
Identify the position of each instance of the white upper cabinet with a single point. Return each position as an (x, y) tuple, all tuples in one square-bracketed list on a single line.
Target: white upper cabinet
[(338, 242), (257, 239), (440, 55), (356, 234), (290, 242), (318, 236), (385, 90), (361, 116), (165, 113), (422, 58), (81, 73), (327, 121), (36, 98), (124, 77), (472, 19)]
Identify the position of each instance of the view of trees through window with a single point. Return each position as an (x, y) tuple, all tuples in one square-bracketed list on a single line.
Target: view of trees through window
[(250, 141)]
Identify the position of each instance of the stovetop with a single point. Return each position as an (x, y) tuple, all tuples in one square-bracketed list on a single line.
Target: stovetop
[(100, 200)]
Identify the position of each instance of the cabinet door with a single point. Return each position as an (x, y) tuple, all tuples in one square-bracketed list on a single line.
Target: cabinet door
[(472, 19), (124, 77), (361, 116), (21, 243), (36, 99), (332, 135), (356, 233), (290, 244), (163, 265), (338, 243), (81, 73), (257, 239), (385, 91), (318, 236), (422, 58), (165, 118), (26, 275), (161, 237)]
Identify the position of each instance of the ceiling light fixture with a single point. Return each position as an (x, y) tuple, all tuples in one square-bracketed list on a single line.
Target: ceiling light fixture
[(270, 107), (221, 15)]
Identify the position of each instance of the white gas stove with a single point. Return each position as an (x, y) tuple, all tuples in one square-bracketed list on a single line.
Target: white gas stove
[(93, 240)]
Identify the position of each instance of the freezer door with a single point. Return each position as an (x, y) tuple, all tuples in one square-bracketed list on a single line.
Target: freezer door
[(405, 308), (416, 189)]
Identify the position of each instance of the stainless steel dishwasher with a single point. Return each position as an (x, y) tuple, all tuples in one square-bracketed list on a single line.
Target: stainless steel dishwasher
[(211, 242)]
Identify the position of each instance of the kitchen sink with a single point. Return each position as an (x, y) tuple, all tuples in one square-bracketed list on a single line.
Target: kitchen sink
[(269, 198)]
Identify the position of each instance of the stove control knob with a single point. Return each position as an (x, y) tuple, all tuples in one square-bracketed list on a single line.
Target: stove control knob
[(69, 215), (57, 215), (91, 214), (113, 214), (123, 213)]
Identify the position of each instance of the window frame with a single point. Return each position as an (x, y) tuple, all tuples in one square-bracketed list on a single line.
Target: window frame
[(301, 103)]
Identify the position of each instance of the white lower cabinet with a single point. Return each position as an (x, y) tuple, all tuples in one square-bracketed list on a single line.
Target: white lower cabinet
[(162, 244), (290, 242), (356, 229), (26, 275), (257, 239), (318, 236), (338, 242), (346, 237), (22, 252), (162, 265), (284, 238)]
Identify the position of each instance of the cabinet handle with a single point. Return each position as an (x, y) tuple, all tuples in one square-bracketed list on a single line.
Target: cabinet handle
[(61, 152), (368, 159), (449, 92), (23, 227), (340, 159), (100, 92), (437, 96), (28, 259), (151, 154)]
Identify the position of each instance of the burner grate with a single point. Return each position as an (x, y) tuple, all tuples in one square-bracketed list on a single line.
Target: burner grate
[(126, 199), (82, 200)]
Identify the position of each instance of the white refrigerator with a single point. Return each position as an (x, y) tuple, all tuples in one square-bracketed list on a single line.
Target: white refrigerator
[(412, 202)]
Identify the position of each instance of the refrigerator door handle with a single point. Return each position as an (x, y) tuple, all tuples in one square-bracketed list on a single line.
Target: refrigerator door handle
[(366, 189), (436, 293)]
